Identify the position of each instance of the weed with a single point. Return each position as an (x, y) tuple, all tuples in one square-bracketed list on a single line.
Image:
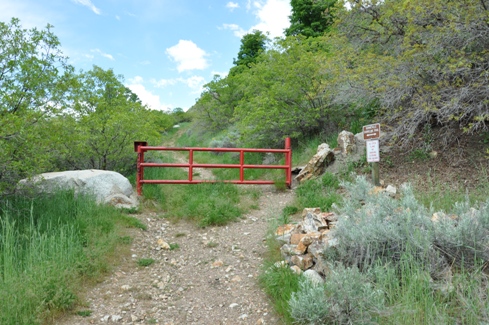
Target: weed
[(133, 222), (84, 313), (180, 234), (126, 240), (212, 244), (174, 246), (290, 210), (145, 262), (280, 185), (419, 154)]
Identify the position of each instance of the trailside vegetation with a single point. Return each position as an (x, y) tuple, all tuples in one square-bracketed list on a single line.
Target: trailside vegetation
[(53, 118), (410, 65)]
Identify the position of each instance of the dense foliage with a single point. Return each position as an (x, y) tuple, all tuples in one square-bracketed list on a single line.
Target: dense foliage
[(412, 65), (53, 118)]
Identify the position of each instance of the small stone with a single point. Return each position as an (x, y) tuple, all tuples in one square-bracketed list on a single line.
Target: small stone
[(115, 318), (296, 269), (284, 229), (217, 263), (233, 305), (313, 276), (134, 318), (296, 238), (303, 261), (244, 316), (126, 287), (391, 190), (237, 278), (376, 190), (163, 244)]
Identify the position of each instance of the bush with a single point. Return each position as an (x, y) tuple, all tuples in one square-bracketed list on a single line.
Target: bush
[(347, 297)]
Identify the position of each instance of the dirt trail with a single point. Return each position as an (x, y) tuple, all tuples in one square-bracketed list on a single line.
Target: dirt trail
[(212, 278)]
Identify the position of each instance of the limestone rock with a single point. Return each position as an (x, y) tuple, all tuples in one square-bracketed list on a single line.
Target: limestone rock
[(106, 186), (391, 190), (347, 143), (312, 220), (315, 167), (303, 261), (313, 276)]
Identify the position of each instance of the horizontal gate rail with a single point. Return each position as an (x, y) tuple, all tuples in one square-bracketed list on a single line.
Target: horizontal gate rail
[(141, 147)]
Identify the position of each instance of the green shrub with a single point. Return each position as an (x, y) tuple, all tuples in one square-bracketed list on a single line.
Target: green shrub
[(347, 297), (309, 304)]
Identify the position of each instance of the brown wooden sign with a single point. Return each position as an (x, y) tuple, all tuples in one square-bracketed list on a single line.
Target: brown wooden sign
[(371, 131)]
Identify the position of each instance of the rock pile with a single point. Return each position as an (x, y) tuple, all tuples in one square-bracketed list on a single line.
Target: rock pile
[(303, 244)]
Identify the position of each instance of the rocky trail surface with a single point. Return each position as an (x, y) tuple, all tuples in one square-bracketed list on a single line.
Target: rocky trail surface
[(210, 276)]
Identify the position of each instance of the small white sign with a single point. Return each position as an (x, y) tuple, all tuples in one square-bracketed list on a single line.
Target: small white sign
[(373, 154)]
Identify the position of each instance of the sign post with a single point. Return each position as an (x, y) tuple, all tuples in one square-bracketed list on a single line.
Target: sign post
[(371, 134)]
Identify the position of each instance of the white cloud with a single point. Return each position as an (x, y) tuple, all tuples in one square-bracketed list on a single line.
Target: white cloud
[(147, 98), (162, 83), (238, 31), (89, 4), (105, 55), (273, 16), (188, 56), (195, 83), (232, 5)]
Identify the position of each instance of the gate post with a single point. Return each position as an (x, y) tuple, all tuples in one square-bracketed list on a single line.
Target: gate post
[(288, 163), (139, 168)]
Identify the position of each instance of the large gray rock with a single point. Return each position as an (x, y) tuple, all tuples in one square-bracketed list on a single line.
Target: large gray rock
[(106, 186)]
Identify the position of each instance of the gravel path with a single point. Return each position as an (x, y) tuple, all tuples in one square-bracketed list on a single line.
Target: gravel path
[(211, 278)]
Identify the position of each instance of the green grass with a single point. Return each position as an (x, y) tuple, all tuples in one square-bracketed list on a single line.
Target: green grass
[(279, 283), (49, 247), (319, 193), (145, 262), (442, 196)]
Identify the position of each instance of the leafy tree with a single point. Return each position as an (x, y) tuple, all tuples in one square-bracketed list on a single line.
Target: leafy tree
[(108, 119), (252, 45), (215, 108), (425, 61), (180, 115), (291, 101), (311, 18), (34, 83)]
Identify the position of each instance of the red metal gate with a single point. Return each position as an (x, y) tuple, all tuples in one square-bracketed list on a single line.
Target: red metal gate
[(141, 147)]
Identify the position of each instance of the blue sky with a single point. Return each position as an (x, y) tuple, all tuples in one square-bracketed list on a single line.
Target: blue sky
[(165, 49)]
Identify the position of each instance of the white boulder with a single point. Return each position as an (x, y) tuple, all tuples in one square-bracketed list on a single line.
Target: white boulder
[(106, 186)]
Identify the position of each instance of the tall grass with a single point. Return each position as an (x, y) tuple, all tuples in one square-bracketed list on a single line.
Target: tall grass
[(49, 246)]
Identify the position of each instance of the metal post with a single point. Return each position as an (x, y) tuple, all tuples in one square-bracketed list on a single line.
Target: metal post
[(241, 168), (190, 164), (288, 163)]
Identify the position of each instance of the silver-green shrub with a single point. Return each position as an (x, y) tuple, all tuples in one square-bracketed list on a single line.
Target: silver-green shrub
[(375, 226), (463, 237), (347, 297), (309, 304)]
